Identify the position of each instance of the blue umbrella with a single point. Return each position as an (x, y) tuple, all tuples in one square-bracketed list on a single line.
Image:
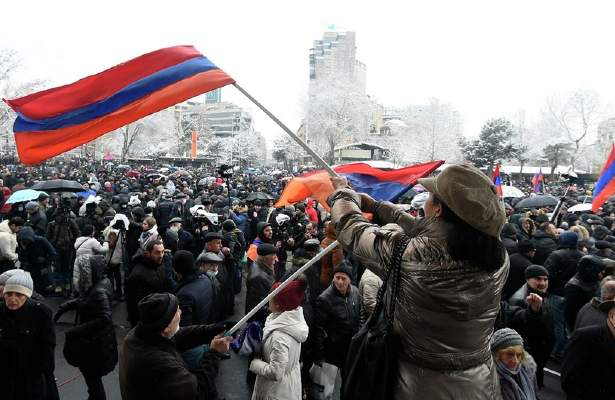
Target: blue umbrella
[(24, 195), (86, 193)]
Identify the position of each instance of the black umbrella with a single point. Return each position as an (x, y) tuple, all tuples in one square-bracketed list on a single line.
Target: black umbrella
[(258, 196), (541, 200), (58, 185), (585, 199)]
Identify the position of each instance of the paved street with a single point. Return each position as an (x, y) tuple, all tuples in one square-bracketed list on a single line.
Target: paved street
[(231, 378)]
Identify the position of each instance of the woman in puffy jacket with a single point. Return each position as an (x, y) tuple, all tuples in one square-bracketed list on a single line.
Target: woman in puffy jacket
[(452, 273), (91, 345), (277, 369), (86, 245)]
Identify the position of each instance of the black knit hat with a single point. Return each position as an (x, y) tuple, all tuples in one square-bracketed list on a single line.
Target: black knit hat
[(213, 236), (183, 262), (344, 268), (157, 310), (534, 271), (228, 225)]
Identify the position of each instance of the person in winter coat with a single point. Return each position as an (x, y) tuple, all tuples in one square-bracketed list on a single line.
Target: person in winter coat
[(9, 229), (35, 256), (91, 345), (519, 261), (311, 212), (526, 229), (369, 285), (233, 239), (582, 287), (239, 215), (589, 361), (264, 235), (261, 277), (62, 232), (37, 219), (86, 246), (209, 264), (514, 366), (27, 343), (545, 241), (331, 260), (590, 313), (277, 369), (452, 273), (337, 318), (195, 295), (150, 232), (562, 263), (150, 363), (509, 238), (539, 345), (147, 276)]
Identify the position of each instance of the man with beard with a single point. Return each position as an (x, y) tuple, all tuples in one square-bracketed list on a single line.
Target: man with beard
[(539, 346), (148, 276), (213, 244)]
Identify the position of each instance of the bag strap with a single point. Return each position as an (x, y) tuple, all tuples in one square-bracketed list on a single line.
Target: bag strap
[(392, 274)]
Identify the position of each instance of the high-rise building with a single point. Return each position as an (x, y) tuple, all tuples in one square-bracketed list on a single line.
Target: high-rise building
[(335, 55)]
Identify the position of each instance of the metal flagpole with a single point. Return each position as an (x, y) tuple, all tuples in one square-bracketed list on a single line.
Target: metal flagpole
[(320, 255)]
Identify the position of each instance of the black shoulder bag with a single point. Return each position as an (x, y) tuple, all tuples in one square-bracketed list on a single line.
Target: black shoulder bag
[(371, 364)]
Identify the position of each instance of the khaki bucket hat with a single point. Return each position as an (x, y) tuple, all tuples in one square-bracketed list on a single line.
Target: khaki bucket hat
[(471, 195)]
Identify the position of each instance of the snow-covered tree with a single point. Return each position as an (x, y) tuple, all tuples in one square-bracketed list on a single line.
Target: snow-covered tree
[(492, 145), (337, 112)]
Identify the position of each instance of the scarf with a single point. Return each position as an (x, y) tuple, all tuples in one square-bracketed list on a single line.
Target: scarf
[(515, 385)]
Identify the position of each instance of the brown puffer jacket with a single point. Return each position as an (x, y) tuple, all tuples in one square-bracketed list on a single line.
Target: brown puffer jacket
[(445, 312), (331, 260)]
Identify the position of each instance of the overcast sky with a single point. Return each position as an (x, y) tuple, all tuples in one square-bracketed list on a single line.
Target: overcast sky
[(486, 58)]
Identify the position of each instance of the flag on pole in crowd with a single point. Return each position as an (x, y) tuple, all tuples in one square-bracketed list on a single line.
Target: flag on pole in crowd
[(56, 120), (537, 181), (497, 180), (380, 184), (605, 186)]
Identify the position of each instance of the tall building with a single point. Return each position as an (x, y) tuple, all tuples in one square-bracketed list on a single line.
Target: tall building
[(335, 54)]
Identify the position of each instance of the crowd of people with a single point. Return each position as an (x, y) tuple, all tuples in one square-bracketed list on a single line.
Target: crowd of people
[(488, 296)]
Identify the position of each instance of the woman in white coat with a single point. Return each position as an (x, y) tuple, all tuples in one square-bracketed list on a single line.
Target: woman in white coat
[(278, 373)]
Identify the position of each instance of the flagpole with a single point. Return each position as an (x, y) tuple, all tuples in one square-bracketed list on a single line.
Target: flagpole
[(320, 255), (288, 131)]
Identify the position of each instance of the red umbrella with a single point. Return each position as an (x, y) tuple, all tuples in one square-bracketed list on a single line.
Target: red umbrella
[(133, 174)]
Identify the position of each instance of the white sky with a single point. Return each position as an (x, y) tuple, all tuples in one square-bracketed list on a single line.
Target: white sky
[(486, 58)]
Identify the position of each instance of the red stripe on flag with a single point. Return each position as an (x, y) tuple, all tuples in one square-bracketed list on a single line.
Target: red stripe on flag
[(34, 147), (603, 196), (52, 102)]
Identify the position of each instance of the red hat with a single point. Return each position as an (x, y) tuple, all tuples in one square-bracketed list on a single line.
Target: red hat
[(291, 296)]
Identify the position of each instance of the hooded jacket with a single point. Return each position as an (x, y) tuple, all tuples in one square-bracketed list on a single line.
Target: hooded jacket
[(8, 242), (445, 311), (278, 373)]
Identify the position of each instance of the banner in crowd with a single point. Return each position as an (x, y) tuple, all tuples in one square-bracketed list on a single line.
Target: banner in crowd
[(381, 184), (56, 120)]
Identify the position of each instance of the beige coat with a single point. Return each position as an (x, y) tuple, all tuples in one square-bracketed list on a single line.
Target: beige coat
[(445, 312)]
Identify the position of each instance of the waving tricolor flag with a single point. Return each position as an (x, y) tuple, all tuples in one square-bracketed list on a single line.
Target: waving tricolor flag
[(497, 180), (53, 121), (380, 184), (537, 181), (605, 186)]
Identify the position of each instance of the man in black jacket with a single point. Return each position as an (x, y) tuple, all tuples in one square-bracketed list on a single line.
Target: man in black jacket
[(261, 277), (36, 255), (539, 346), (150, 364), (590, 313), (519, 261), (148, 276), (589, 362), (562, 263), (337, 318), (545, 240)]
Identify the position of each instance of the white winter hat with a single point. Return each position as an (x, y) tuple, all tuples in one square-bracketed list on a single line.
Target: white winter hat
[(20, 283), (7, 274)]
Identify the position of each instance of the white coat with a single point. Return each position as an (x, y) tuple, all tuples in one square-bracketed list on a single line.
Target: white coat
[(278, 374)]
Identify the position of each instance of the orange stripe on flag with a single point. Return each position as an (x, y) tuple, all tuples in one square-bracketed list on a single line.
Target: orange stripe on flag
[(317, 186)]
